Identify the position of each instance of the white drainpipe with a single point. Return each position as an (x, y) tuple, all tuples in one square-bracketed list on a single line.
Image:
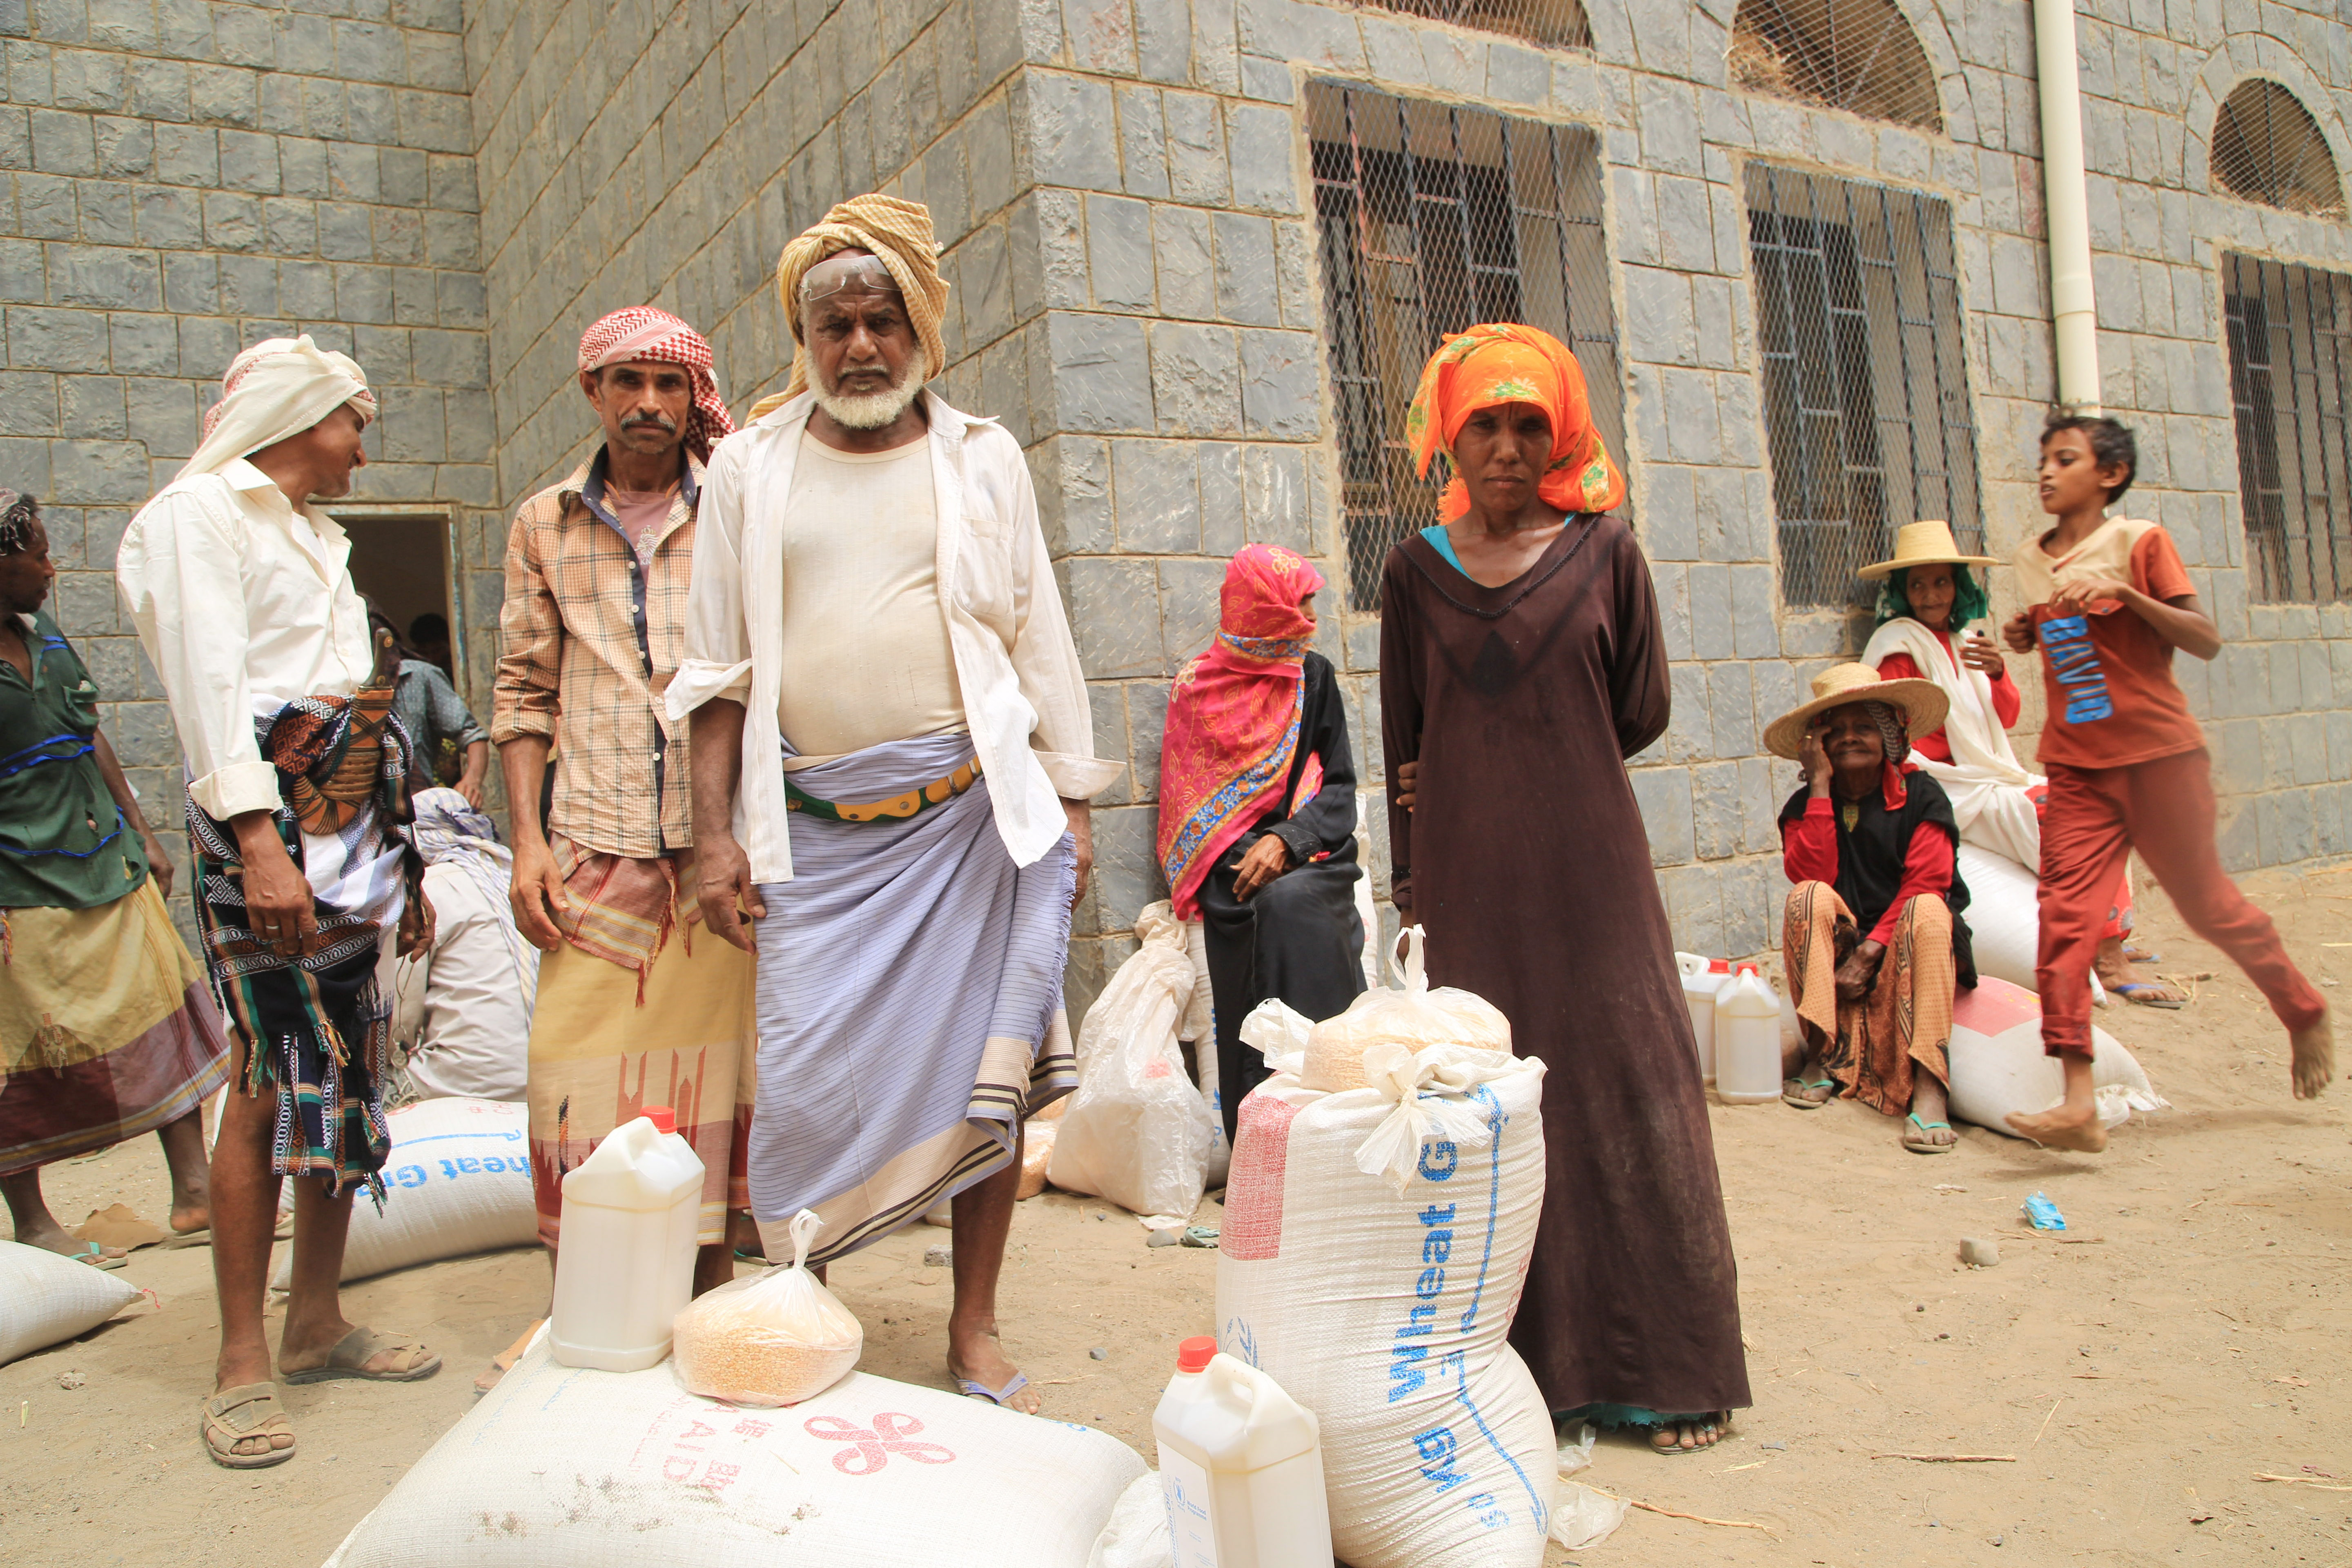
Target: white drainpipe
[(2074, 311)]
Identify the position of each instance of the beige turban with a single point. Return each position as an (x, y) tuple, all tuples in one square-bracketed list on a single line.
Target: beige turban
[(899, 232), (276, 388)]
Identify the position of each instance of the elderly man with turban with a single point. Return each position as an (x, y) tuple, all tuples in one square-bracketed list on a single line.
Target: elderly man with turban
[(593, 630), (1521, 663), (296, 793), (876, 655)]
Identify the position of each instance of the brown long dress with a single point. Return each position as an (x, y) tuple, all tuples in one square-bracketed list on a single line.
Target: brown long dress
[(1526, 861)]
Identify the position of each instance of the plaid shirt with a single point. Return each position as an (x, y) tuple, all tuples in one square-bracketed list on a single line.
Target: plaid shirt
[(592, 632)]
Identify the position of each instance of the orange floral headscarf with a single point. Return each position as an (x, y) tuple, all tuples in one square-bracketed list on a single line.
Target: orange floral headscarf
[(1503, 362)]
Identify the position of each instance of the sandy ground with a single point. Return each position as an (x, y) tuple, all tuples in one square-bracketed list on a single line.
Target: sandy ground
[(2141, 1378)]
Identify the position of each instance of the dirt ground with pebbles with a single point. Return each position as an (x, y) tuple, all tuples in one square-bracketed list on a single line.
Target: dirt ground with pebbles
[(2142, 1376)]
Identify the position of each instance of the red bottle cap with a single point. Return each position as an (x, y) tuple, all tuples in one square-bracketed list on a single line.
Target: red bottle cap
[(1747, 969), (1718, 966), (664, 1119), (1195, 1353)]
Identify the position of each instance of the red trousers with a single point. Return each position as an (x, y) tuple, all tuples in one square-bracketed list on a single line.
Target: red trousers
[(2164, 808)]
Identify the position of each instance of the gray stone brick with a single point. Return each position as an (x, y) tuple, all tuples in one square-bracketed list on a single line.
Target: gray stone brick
[(452, 359), (91, 406), (1663, 795), (1295, 268), (292, 225), (1268, 79), (126, 148), (1280, 386), (1195, 149), (1274, 497), (438, 63), (85, 79), (1143, 156), (281, 106), (1181, 249), (191, 283), (222, 95), (106, 213), (1187, 606), (206, 345), (398, 235), (1097, 366), (170, 218), (248, 162), (144, 345), (1754, 635), (344, 232), (1711, 632), (187, 155), (95, 473), (1717, 810), (248, 286), (1163, 44), (1072, 131), (1259, 150), (326, 108), (45, 209), (24, 272), (231, 222), (1119, 247), (243, 35), (29, 407), (1195, 380), (450, 182), (62, 144), (104, 276), (461, 299), (1225, 511), (1248, 289), (1157, 497), (306, 289), (1115, 616)]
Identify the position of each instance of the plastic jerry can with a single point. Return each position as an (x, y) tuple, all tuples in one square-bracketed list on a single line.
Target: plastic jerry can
[(625, 1267), (1746, 1040), (1241, 1464), (1701, 978)]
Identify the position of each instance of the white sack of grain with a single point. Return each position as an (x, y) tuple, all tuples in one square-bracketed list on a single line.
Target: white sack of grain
[(1999, 1068), (45, 1297), (771, 1340), (561, 1466)]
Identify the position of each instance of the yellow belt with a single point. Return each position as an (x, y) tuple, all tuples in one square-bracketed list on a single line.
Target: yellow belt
[(938, 792)]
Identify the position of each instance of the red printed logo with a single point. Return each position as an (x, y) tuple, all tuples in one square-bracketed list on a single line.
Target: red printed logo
[(1253, 1229), (889, 1435)]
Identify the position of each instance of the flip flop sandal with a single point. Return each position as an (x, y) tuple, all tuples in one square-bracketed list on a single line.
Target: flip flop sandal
[(355, 1349), (1674, 1450), (248, 1410), (99, 1257), (1924, 1128), (2131, 992), (999, 1396), (1800, 1102)]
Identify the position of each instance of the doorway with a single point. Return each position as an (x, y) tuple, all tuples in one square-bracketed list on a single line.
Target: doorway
[(404, 560)]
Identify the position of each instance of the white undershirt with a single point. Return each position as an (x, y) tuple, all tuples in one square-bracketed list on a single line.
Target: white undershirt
[(865, 655)]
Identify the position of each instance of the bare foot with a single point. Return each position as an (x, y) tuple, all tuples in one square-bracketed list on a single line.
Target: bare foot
[(975, 1355), (1681, 1436), (2315, 1057), (1926, 1130), (2065, 1128), (187, 1218)]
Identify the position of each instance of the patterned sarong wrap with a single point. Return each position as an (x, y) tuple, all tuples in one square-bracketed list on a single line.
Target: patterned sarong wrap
[(909, 987), (316, 1027)]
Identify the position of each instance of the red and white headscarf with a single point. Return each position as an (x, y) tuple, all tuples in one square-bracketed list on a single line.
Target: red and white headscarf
[(278, 387), (646, 332)]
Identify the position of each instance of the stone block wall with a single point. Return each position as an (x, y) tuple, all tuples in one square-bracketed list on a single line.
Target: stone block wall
[(178, 179)]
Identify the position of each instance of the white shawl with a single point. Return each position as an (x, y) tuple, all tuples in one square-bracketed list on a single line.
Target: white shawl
[(1984, 778), (276, 388)]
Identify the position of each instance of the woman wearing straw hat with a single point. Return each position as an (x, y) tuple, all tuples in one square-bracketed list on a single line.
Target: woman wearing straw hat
[(1872, 937), (1927, 594)]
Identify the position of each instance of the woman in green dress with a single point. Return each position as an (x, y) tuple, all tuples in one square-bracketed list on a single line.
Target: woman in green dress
[(107, 1030)]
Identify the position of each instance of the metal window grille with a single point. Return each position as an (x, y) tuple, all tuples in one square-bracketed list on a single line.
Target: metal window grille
[(1856, 55), (1558, 24), (1432, 219), (2268, 149), (1865, 396), (2291, 382)]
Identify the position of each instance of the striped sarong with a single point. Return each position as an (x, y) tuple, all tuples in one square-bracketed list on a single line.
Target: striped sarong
[(316, 1027), (910, 993)]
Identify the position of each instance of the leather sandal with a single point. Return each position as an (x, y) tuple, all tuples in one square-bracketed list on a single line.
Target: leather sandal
[(248, 1410), (355, 1349)]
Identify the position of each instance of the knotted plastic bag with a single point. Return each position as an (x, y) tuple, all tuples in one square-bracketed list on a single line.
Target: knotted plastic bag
[(775, 1338), (1414, 1017)]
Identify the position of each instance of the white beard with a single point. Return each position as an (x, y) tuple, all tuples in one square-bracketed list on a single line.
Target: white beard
[(873, 410)]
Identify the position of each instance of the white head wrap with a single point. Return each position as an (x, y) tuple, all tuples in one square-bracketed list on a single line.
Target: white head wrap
[(276, 388)]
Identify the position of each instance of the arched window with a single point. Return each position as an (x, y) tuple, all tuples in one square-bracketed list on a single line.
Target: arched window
[(1558, 24), (1855, 55), (2268, 149)]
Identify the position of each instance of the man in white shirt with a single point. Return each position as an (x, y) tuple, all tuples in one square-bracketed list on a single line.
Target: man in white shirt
[(241, 594), (463, 1008), (876, 650)]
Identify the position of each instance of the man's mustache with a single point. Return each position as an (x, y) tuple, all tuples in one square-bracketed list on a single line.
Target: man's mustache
[(669, 425)]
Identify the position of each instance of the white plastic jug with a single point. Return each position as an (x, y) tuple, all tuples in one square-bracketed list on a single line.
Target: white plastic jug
[(1241, 1464), (625, 1268), (1746, 1040), (1701, 978)]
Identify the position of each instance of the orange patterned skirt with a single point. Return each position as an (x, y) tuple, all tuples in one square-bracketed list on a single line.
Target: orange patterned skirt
[(1873, 1047)]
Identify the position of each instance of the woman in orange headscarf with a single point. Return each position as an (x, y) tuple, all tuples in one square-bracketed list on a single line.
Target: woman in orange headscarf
[(1521, 663)]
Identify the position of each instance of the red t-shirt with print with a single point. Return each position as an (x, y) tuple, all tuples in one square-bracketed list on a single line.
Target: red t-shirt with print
[(2108, 676)]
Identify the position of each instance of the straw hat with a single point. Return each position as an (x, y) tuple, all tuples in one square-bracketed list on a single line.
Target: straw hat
[(1922, 703), (1926, 543)]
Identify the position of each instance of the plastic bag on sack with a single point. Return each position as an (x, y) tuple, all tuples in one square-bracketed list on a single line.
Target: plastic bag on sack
[(775, 1338), (1412, 1016), (1138, 1131), (1137, 1535)]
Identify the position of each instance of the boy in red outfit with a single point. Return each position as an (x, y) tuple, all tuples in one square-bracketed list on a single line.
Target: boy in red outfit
[(2107, 602)]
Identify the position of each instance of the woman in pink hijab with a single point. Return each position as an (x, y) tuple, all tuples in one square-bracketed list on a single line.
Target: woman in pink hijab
[(1257, 810)]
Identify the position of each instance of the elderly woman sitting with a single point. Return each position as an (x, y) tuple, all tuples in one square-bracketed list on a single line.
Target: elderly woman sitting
[(1872, 936)]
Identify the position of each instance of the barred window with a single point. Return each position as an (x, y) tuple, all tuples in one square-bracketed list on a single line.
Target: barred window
[(1866, 396), (2268, 149), (2291, 382), (1558, 24), (1430, 219), (1856, 55)]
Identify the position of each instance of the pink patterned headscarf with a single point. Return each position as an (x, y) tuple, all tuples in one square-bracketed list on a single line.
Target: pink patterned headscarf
[(1233, 718), (647, 332)]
